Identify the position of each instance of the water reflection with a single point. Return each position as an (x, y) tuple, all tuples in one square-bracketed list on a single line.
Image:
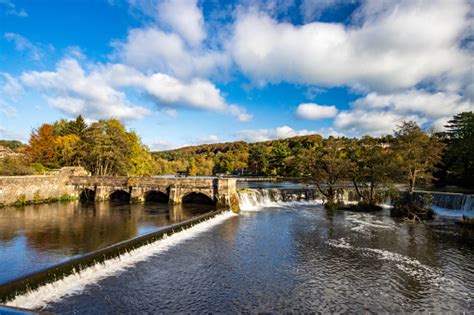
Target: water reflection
[(36, 236)]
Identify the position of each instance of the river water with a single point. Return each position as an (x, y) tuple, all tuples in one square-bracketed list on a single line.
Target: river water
[(35, 237), (280, 257)]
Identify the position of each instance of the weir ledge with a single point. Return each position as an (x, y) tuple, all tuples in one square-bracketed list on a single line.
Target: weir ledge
[(57, 272)]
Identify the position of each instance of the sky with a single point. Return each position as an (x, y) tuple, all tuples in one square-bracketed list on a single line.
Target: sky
[(187, 72)]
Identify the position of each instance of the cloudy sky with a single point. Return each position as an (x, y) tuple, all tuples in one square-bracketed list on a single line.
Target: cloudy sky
[(183, 72)]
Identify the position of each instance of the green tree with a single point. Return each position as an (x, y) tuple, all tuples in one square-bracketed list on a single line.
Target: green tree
[(224, 163), (417, 153), (277, 159), (330, 166), (459, 155), (258, 160), (106, 148), (373, 169)]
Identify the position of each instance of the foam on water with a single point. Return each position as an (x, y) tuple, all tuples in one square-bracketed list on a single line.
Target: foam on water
[(363, 222), (258, 199), (407, 265), (76, 282)]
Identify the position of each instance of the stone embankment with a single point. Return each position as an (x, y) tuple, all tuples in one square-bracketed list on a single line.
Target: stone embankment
[(21, 190)]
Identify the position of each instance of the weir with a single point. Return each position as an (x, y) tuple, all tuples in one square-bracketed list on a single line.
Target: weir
[(32, 281)]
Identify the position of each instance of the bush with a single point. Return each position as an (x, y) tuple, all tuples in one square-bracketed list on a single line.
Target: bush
[(11, 166)]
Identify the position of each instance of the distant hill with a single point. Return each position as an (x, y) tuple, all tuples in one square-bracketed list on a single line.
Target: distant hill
[(237, 146)]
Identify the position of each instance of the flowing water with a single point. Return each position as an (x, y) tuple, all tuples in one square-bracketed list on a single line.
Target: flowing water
[(35, 237), (283, 253)]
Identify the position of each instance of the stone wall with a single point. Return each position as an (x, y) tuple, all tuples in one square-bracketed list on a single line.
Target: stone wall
[(39, 188)]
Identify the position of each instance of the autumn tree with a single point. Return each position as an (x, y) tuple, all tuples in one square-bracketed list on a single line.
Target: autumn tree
[(141, 162), (42, 145)]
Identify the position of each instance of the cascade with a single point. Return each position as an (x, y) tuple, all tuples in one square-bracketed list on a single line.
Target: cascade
[(256, 198)]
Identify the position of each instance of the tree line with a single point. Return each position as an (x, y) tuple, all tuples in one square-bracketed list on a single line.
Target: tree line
[(411, 155), (104, 148)]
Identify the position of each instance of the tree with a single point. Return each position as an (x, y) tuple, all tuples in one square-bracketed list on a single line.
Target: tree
[(417, 153), (77, 127), (277, 158), (224, 163), (140, 158), (373, 169), (258, 160), (330, 166), (459, 155), (106, 148), (66, 150), (42, 146)]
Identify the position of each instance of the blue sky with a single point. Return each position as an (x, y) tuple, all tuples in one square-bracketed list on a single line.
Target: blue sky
[(186, 72)]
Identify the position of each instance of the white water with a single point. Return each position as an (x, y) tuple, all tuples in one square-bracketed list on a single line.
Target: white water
[(253, 199), (76, 282), (408, 265), (257, 199), (453, 205)]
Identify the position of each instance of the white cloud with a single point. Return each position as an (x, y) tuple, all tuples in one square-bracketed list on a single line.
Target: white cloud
[(11, 9), (74, 92), (23, 44), (313, 111), (269, 134), (431, 105), (99, 94), (379, 114), (10, 87), (153, 50), (184, 17), (163, 145), (398, 47), (207, 139), (359, 122), (168, 91)]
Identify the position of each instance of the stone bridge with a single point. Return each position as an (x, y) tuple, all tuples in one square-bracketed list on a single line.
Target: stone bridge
[(219, 191)]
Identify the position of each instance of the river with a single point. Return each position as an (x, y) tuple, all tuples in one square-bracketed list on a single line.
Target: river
[(273, 257)]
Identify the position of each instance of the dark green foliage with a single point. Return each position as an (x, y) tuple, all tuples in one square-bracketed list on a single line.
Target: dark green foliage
[(258, 160), (459, 156)]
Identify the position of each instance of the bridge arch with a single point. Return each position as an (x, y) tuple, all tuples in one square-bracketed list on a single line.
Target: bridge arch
[(156, 196), (120, 195), (198, 198), (87, 195)]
